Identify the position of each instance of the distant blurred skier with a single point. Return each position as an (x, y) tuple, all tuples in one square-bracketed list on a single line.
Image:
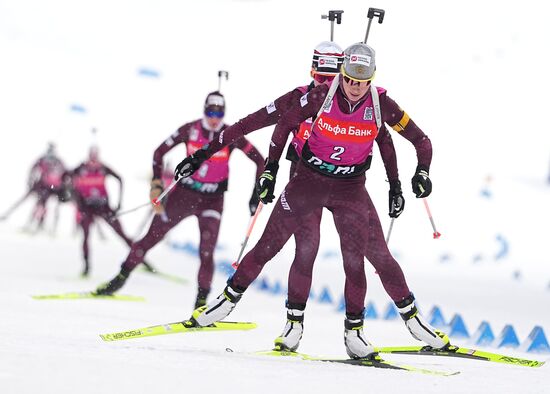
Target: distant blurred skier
[(92, 200), (201, 195), (45, 181), (331, 175)]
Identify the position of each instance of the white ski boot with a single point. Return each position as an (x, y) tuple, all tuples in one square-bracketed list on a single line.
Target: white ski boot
[(218, 308), (289, 340), (357, 346), (419, 327)]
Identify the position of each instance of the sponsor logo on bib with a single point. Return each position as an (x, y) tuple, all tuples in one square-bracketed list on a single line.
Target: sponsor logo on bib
[(346, 131)]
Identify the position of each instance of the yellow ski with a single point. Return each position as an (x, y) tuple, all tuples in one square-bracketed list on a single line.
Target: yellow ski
[(376, 362), (87, 295), (175, 328), (455, 351)]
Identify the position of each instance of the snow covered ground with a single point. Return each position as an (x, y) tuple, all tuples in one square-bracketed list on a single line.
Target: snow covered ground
[(473, 75)]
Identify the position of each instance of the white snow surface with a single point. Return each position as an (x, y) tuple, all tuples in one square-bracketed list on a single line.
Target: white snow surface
[(473, 75)]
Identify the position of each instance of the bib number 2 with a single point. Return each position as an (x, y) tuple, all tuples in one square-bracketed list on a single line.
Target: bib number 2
[(338, 150)]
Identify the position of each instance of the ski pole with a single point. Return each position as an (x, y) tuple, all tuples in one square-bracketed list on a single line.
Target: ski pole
[(332, 16), (373, 13), (15, 205), (248, 232), (121, 213), (222, 74), (145, 221), (389, 231), (437, 234), (154, 201)]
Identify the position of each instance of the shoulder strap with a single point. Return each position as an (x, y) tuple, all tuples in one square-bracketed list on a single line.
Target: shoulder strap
[(376, 104), (328, 99)]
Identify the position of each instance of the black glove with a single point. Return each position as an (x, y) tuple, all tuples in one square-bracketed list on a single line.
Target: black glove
[(190, 164), (397, 202), (265, 186), (421, 184), (254, 201)]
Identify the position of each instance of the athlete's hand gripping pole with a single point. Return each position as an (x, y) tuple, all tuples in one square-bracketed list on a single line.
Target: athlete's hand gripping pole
[(437, 234), (155, 201), (248, 232), (373, 13)]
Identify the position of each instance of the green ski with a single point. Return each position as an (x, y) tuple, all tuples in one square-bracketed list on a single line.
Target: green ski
[(377, 362), (461, 352), (87, 295), (174, 328)]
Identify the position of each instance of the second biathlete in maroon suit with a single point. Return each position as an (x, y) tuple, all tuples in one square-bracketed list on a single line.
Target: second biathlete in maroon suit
[(201, 195), (45, 180), (92, 200), (331, 175)]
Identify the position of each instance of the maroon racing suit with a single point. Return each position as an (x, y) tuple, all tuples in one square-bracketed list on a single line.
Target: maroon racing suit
[(307, 236), (92, 200), (200, 195), (331, 175), (45, 180)]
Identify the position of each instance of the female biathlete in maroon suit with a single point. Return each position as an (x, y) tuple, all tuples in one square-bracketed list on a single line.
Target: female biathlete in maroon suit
[(331, 174), (200, 195), (327, 60), (92, 200), (45, 180)]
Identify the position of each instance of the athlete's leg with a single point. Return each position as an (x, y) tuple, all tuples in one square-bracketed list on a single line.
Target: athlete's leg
[(176, 210), (350, 212), (209, 226), (348, 224), (109, 216), (378, 254), (56, 217), (307, 237), (287, 214), (393, 280), (39, 212), (86, 220)]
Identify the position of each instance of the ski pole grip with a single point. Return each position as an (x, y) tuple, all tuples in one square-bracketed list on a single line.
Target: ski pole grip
[(376, 13)]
